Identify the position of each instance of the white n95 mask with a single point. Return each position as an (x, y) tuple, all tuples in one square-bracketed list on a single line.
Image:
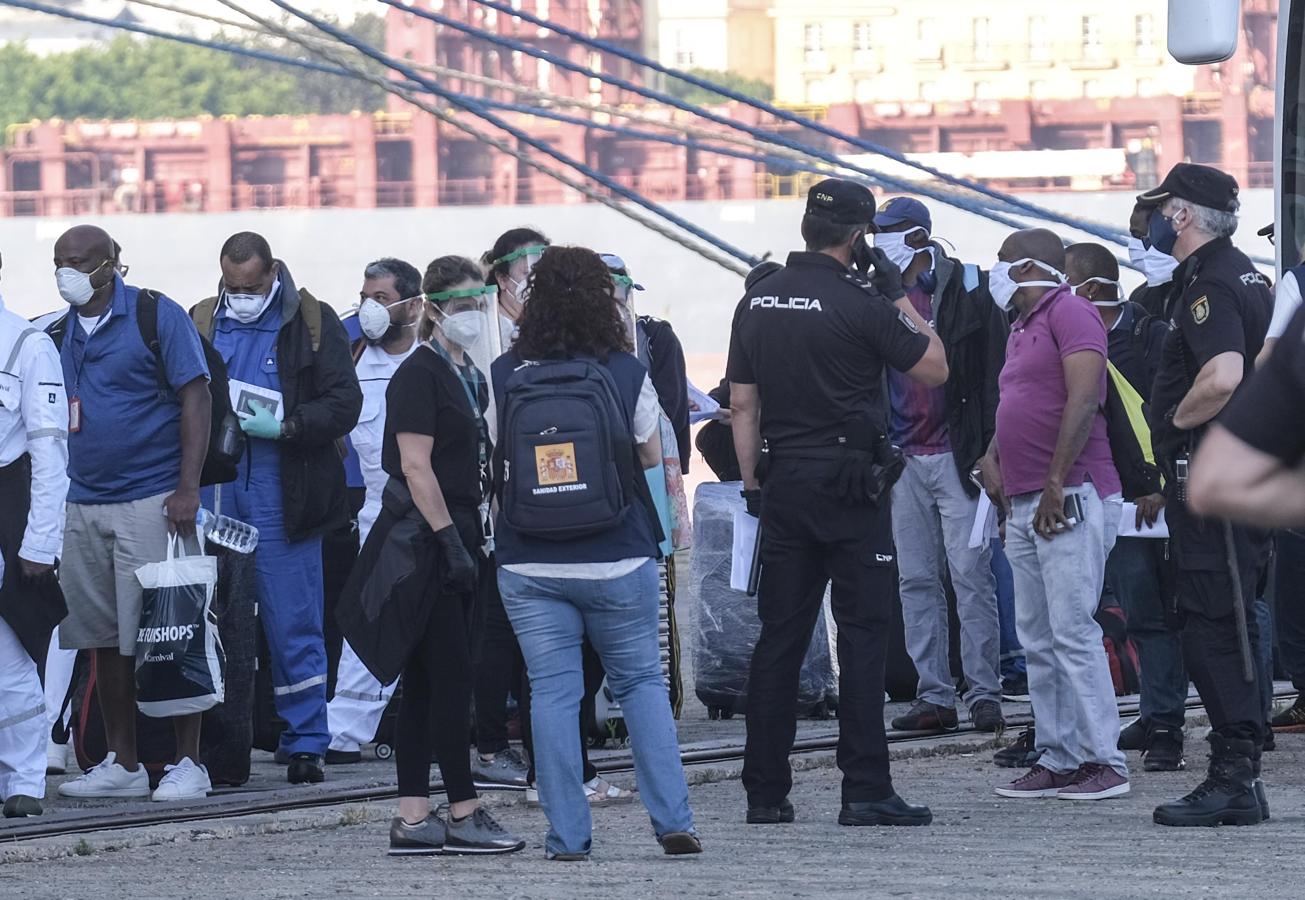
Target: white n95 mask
[(74, 286)]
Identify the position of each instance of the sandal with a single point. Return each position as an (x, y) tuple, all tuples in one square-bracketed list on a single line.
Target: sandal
[(600, 792)]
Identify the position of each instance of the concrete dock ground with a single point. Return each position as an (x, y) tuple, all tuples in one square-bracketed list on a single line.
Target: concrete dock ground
[(979, 846)]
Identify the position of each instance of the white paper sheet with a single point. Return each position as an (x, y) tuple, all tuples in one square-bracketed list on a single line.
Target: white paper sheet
[(745, 541), (707, 408), (1128, 524), (984, 528)]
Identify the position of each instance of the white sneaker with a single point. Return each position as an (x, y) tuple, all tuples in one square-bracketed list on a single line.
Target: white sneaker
[(56, 758), (184, 781), (108, 780)]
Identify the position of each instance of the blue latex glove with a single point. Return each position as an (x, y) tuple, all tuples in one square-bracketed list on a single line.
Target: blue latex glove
[(260, 423)]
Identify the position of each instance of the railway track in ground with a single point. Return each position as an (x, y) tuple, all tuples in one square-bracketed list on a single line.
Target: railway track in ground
[(236, 803)]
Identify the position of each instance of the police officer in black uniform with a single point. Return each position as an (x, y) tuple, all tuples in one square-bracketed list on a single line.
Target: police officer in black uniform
[(807, 354), (1219, 311)]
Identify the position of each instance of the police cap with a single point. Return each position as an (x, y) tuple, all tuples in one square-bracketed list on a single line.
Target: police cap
[(1203, 185), (841, 202)]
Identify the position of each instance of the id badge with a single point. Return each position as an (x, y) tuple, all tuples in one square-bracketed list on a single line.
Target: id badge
[(486, 531), (74, 415)]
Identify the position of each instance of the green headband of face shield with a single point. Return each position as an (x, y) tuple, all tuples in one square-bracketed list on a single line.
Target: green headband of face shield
[(463, 292), (531, 250)]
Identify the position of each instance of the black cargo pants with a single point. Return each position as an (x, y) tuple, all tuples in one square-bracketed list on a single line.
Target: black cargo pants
[(810, 536)]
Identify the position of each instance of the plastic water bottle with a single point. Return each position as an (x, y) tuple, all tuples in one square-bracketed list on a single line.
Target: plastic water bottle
[(227, 532)]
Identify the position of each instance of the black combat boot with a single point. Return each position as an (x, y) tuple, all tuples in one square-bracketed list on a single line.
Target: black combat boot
[(1226, 797), (1261, 795)]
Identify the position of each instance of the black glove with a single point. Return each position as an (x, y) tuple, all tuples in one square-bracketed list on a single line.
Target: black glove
[(862, 259), (459, 569), (886, 277), (753, 500)]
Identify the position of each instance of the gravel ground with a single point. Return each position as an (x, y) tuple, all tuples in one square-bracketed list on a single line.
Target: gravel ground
[(979, 846)]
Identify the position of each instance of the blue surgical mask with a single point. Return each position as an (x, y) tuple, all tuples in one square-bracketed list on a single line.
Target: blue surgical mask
[(1161, 234)]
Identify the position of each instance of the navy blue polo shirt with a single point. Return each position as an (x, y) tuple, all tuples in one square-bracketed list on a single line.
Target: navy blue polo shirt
[(129, 444)]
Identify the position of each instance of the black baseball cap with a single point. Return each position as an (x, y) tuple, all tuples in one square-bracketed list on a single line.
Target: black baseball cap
[(1203, 185), (841, 202)]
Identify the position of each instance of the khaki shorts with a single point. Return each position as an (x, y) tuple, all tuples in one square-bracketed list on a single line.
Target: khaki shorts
[(103, 546)]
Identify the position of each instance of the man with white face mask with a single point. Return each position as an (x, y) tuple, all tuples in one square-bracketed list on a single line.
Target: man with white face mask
[(1135, 574), (135, 454), (389, 308), (1050, 467), (293, 385), (942, 432), (1158, 267)]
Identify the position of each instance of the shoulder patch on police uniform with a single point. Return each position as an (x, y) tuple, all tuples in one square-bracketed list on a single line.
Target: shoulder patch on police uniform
[(906, 320), (1201, 310)]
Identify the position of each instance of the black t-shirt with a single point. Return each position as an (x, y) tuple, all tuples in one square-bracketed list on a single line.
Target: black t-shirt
[(425, 396), (1269, 412), (1223, 307), (814, 338)]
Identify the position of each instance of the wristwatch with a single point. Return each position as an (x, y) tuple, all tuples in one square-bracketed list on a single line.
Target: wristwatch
[(289, 429)]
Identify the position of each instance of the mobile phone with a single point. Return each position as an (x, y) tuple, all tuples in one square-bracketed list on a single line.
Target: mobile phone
[(1073, 509)]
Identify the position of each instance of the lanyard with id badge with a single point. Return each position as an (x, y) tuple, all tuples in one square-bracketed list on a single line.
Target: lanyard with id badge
[(75, 400), (482, 442)]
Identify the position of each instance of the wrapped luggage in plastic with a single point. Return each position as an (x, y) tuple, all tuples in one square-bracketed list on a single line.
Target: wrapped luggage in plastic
[(727, 623)]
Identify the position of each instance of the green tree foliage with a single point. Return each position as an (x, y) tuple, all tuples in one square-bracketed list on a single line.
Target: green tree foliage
[(752, 87), (151, 78)]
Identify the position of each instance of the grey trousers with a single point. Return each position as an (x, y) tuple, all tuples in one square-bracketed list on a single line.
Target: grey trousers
[(932, 518), (1057, 589)]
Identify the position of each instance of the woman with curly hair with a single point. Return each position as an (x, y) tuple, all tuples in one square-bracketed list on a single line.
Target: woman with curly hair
[(600, 585)]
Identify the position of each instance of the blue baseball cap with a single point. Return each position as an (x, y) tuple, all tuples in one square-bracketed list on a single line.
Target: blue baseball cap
[(904, 209)]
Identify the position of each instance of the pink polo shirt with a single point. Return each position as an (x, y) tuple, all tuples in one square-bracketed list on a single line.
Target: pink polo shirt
[(1033, 396)]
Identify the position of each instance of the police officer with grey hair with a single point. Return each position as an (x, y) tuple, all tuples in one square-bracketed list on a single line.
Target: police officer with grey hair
[(1219, 311), (807, 354)]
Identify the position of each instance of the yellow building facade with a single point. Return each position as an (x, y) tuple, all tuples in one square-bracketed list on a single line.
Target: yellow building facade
[(929, 51)]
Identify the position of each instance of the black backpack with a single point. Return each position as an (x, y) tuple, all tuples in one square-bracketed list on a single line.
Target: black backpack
[(226, 442), (567, 464)]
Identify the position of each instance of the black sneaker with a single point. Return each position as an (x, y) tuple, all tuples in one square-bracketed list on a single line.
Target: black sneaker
[(1165, 753), (1016, 688), (343, 757), (771, 815), (1021, 754), (423, 839), (478, 833), (20, 806), (986, 716), (1291, 719), (1136, 736), (305, 768), (926, 716), (893, 811)]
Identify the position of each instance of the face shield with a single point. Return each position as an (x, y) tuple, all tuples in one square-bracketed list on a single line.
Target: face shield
[(467, 336), (519, 263), (623, 292)]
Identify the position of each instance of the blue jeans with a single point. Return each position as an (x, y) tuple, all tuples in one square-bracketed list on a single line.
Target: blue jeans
[(1012, 653), (1133, 574), (552, 617)]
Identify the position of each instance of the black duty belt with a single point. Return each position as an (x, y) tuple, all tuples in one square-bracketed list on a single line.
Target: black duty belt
[(832, 452)]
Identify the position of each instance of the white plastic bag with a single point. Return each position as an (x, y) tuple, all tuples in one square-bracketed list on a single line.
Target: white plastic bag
[(179, 658)]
